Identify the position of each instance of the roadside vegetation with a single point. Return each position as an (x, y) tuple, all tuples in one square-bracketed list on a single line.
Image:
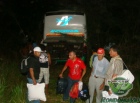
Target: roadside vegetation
[(13, 84)]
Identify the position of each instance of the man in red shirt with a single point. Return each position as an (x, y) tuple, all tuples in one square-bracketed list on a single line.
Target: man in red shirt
[(77, 70)]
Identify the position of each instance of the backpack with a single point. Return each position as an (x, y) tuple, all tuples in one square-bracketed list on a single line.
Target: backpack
[(24, 66), (61, 85), (84, 93), (92, 60)]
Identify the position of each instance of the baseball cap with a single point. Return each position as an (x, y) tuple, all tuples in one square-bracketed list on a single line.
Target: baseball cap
[(100, 51), (38, 49)]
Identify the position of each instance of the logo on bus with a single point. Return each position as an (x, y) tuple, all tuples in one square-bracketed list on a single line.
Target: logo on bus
[(64, 20)]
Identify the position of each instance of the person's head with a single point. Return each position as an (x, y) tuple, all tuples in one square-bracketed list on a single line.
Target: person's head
[(114, 51), (37, 51), (94, 49), (100, 53), (72, 55)]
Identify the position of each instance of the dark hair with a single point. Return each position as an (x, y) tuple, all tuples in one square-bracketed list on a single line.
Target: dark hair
[(115, 48), (94, 49), (73, 51)]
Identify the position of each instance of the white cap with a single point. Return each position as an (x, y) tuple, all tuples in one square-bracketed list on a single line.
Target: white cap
[(38, 49)]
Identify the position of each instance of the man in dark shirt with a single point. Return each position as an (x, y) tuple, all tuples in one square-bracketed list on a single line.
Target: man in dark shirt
[(34, 68)]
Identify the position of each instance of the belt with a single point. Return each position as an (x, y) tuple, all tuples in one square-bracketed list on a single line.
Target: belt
[(96, 76)]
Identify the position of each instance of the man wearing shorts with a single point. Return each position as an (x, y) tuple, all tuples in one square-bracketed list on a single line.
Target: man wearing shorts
[(45, 61)]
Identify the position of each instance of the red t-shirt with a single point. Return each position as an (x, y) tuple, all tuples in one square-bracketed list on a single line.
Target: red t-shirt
[(75, 68)]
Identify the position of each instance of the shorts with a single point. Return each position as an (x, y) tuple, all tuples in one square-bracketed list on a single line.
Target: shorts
[(44, 72)]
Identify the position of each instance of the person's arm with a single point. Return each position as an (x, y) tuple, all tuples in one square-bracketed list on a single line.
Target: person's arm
[(32, 76), (92, 67), (49, 58), (61, 74), (102, 85), (114, 76), (83, 73), (92, 70), (118, 67), (106, 69)]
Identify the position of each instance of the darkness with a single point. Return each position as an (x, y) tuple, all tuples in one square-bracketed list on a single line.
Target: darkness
[(107, 21)]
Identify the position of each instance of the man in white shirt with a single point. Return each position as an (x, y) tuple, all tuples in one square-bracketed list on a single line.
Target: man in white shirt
[(97, 77)]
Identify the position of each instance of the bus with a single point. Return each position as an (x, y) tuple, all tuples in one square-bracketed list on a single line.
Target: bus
[(65, 31)]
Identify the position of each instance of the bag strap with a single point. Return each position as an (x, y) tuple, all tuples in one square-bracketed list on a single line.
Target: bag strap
[(125, 65)]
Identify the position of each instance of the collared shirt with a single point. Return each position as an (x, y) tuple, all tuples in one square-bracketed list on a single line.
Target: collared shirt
[(100, 67), (115, 67), (75, 68)]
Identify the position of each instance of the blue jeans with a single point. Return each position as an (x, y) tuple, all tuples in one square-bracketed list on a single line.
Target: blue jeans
[(66, 94), (31, 82)]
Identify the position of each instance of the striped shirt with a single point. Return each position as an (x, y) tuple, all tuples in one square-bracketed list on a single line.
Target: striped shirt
[(115, 67)]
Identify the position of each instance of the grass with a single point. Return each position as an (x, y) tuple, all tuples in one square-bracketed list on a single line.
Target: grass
[(2, 87), (13, 84), (18, 94)]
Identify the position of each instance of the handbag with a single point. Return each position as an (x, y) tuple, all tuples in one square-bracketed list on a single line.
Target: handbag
[(126, 74), (74, 91), (84, 93), (61, 85)]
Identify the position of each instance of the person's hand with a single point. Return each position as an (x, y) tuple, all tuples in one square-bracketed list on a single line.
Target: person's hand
[(34, 82), (102, 86), (109, 92), (114, 76), (61, 75), (80, 79)]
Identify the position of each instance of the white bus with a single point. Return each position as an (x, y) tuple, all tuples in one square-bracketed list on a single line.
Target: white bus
[(64, 31)]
